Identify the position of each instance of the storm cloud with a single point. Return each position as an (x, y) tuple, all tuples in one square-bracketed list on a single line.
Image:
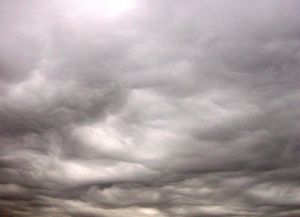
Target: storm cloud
[(150, 108)]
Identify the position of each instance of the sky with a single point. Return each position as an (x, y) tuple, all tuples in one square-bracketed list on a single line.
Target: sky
[(150, 108)]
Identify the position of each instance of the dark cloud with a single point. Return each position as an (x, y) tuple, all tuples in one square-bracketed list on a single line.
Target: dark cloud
[(143, 108)]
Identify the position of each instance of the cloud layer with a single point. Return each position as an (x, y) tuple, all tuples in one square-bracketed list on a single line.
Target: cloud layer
[(165, 109)]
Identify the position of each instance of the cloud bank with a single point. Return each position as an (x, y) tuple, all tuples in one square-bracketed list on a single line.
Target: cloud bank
[(150, 108)]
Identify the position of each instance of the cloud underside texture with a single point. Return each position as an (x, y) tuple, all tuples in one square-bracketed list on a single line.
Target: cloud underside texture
[(171, 109)]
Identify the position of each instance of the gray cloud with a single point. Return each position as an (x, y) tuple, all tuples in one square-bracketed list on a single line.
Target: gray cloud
[(165, 108)]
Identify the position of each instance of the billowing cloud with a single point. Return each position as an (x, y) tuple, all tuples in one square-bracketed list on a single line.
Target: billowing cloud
[(149, 108)]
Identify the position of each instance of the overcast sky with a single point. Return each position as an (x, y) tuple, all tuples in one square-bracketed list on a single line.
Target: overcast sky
[(150, 108)]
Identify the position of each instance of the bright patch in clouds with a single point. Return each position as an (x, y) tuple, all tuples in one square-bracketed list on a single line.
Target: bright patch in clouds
[(104, 8)]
